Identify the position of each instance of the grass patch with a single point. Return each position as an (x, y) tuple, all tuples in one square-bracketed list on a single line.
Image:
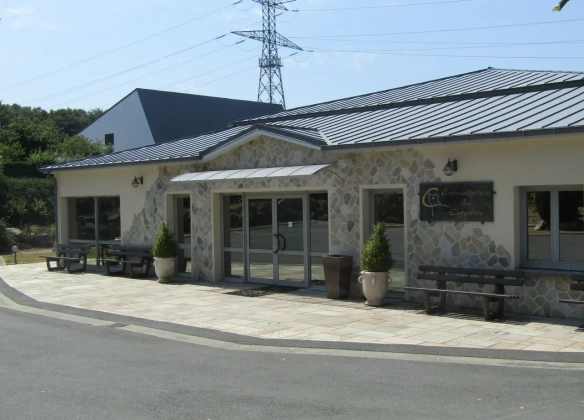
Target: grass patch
[(27, 257)]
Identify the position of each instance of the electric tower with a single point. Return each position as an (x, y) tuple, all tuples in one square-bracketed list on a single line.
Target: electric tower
[(270, 89)]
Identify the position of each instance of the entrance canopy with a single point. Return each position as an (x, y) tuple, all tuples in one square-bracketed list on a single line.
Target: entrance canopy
[(257, 173)]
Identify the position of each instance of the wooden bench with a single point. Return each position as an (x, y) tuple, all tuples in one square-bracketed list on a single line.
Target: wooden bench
[(577, 284), (121, 258), (443, 275), (67, 255)]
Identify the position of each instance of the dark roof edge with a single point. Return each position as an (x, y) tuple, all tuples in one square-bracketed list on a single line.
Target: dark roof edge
[(202, 154), (426, 101), (454, 139)]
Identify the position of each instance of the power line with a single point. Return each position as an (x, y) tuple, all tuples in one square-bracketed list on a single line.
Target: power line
[(228, 76), (514, 25), (147, 75), (494, 44), (105, 33), (111, 76), (117, 49), (382, 6), (482, 46), (451, 55)]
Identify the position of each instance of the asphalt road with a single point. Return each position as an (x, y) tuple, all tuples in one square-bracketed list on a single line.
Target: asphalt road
[(54, 369)]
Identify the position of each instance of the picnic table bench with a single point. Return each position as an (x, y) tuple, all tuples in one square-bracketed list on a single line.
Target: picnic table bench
[(443, 275), (120, 256), (577, 284), (66, 256)]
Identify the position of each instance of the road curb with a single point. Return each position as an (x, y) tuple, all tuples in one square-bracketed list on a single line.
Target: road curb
[(520, 355)]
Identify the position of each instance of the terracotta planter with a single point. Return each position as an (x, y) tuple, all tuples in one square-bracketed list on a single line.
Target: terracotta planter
[(337, 275), (164, 268), (375, 287)]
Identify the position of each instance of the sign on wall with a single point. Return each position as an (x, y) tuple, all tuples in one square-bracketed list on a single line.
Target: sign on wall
[(457, 201)]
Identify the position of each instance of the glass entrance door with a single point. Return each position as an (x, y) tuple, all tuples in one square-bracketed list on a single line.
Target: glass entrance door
[(277, 240)]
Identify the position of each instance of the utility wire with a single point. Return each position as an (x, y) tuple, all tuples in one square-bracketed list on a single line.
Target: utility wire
[(117, 49), (451, 55), (147, 75), (125, 25), (578, 41), (111, 76), (381, 6), (514, 25), (493, 44), (228, 76)]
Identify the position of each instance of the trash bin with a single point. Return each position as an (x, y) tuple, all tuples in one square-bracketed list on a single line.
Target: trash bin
[(337, 275)]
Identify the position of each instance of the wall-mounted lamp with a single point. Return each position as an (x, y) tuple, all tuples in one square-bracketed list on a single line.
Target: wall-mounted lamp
[(450, 168), (137, 181)]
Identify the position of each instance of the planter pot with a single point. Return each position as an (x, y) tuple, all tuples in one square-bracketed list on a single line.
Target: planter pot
[(374, 287), (337, 275), (164, 268)]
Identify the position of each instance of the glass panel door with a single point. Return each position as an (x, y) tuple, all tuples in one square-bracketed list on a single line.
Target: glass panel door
[(277, 235), (182, 230), (388, 208), (291, 235), (262, 238)]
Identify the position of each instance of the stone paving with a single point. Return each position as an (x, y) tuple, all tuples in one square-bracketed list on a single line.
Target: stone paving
[(303, 315)]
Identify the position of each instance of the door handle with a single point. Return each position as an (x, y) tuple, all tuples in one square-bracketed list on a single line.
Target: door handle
[(276, 235), (283, 239)]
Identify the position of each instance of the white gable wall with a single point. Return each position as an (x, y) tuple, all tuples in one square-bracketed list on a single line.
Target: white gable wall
[(126, 121)]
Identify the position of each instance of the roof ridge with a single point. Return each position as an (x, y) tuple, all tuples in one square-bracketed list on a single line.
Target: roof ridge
[(388, 90), (540, 71)]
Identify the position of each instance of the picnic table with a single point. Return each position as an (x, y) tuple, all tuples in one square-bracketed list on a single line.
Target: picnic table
[(442, 276), (66, 256), (128, 258)]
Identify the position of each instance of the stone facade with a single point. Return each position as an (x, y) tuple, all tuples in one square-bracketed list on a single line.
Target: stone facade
[(436, 243)]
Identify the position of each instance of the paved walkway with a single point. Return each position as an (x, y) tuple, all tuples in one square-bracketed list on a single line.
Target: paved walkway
[(302, 315)]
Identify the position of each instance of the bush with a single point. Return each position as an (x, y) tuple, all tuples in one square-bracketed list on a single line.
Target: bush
[(6, 237), (376, 253), (27, 201), (165, 245)]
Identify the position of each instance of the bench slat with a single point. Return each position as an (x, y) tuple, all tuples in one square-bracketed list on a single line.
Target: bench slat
[(577, 286), (575, 302), (471, 271), (460, 292), (578, 277), (476, 280)]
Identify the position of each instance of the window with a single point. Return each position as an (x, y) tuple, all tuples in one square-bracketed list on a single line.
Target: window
[(553, 228), (109, 140)]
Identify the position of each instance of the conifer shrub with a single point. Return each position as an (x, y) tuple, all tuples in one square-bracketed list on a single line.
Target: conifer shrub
[(165, 246), (376, 253)]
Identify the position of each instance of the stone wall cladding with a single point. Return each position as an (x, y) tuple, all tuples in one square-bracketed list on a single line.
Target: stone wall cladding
[(436, 243)]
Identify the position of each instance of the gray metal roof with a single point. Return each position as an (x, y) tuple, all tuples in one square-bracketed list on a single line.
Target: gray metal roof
[(487, 80), (510, 106), (191, 148)]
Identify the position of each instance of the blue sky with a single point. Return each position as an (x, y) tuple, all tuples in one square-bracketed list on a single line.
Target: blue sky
[(76, 53)]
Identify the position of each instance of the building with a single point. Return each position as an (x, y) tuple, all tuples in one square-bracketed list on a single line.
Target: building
[(482, 169), (145, 117)]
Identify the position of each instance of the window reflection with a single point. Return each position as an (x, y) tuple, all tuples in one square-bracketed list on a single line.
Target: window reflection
[(233, 221), (539, 242), (82, 218), (571, 207), (109, 226)]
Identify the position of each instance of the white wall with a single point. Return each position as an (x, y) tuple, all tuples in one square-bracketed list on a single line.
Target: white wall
[(105, 182), (126, 121)]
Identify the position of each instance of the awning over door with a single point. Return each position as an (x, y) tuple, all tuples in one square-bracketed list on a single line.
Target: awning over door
[(261, 173)]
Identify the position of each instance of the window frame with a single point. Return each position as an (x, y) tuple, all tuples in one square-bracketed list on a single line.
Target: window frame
[(554, 263)]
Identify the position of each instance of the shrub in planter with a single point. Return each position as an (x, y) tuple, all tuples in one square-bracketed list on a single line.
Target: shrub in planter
[(376, 261), (165, 250)]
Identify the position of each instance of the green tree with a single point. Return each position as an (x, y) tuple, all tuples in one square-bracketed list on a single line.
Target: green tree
[(31, 135), (560, 5), (79, 147)]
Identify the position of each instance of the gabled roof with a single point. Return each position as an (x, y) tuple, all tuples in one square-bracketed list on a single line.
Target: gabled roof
[(489, 80), (197, 148), (173, 115), (487, 104)]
